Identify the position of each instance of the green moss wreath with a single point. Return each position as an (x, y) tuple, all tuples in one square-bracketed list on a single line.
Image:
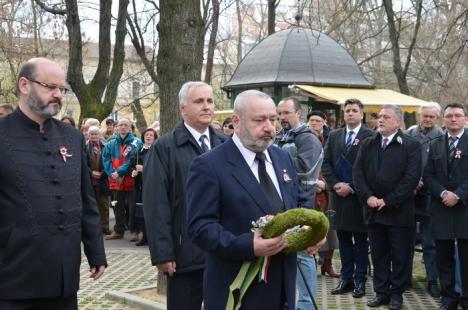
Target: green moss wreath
[(302, 227)]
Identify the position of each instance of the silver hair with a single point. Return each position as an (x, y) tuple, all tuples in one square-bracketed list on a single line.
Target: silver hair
[(92, 129), (243, 98), (125, 118), (92, 122), (396, 109), (431, 105), (184, 90)]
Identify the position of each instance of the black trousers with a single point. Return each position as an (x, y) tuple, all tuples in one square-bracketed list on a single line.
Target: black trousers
[(446, 268), (391, 250), (56, 303), (185, 291)]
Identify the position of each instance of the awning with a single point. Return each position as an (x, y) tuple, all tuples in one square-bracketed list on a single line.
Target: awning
[(372, 99)]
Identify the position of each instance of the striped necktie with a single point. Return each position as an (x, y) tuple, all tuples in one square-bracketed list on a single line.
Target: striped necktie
[(452, 141), (349, 140)]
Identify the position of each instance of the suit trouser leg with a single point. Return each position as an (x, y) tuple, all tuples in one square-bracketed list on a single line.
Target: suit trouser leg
[(119, 212), (428, 247), (361, 253), (401, 248), (185, 291), (380, 253), (446, 267), (345, 244), (103, 206), (463, 255)]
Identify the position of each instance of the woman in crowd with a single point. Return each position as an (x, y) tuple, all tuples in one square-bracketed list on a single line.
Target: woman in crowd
[(317, 124), (148, 137)]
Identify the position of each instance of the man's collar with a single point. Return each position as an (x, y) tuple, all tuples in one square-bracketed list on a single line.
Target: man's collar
[(355, 130), (196, 135)]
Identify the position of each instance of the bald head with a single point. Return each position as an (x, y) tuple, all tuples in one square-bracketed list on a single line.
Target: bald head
[(41, 86)]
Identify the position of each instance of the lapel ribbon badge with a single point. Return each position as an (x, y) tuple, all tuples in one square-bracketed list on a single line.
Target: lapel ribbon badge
[(356, 142), (286, 176), (64, 153), (458, 153)]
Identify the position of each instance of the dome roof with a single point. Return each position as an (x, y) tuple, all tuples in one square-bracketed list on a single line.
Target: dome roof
[(298, 55)]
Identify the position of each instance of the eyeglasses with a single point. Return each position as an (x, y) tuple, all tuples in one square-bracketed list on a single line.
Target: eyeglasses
[(51, 87), (230, 126)]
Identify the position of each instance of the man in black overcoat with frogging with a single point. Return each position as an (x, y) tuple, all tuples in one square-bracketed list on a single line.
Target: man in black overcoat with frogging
[(446, 177), (340, 153), (385, 174)]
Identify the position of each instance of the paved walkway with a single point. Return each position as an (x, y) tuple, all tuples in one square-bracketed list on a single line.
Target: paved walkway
[(129, 268)]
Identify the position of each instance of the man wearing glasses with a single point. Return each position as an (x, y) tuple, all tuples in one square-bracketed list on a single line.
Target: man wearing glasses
[(46, 200)]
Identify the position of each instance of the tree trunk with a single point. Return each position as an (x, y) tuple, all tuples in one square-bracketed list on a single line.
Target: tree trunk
[(271, 16), (137, 110), (180, 55), (212, 42), (394, 39), (239, 32)]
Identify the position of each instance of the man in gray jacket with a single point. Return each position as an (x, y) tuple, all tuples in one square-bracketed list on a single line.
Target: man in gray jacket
[(426, 131), (307, 154)]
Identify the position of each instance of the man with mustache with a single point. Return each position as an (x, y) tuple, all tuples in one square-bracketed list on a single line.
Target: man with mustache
[(47, 205), (240, 181), (385, 174)]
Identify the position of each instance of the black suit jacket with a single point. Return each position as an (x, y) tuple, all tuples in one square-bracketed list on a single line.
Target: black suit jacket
[(348, 210), (47, 208), (391, 174), (448, 223)]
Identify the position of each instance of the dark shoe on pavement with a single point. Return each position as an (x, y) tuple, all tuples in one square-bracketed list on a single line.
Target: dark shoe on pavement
[(433, 289), (396, 302), (343, 288), (114, 236), (360, 290), (378, 301), (142, 242)]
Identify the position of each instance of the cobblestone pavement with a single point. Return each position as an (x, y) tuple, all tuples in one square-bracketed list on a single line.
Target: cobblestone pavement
[(129, 268)]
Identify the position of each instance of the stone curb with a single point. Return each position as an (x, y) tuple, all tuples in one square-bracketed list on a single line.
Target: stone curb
[(135, 301)]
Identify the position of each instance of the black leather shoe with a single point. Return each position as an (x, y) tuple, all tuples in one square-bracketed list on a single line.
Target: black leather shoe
[(396, 303), (378, 301), (343, 288), (360, 290), (433, 289)]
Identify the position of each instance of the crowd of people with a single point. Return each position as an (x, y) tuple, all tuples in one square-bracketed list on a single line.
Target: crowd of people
[(191, 196)]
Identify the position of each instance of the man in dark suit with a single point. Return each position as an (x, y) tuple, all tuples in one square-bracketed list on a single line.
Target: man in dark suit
[(47, 204), (164, 204), (340, 153), (446, 177), (238, 182), (385, 174)]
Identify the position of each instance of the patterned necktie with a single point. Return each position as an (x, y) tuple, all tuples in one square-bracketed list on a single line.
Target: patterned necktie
[(385, 143), (203, 145), (452, 141), (267, 184), (349, 140)]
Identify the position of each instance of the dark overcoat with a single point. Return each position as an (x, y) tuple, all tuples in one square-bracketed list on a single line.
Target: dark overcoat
[(47, 208), (348, 212), (164, 204), (448, 223), (391, 174), (223, 198)]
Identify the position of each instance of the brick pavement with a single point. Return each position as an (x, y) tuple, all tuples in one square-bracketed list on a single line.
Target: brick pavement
[(129, 268)]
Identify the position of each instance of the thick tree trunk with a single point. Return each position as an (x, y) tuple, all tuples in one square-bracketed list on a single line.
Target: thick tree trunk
[(180, 55), (212, 42)]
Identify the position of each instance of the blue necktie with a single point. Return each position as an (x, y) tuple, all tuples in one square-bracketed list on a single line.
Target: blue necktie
[(349, 140), (203, 145), (452, 141)]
